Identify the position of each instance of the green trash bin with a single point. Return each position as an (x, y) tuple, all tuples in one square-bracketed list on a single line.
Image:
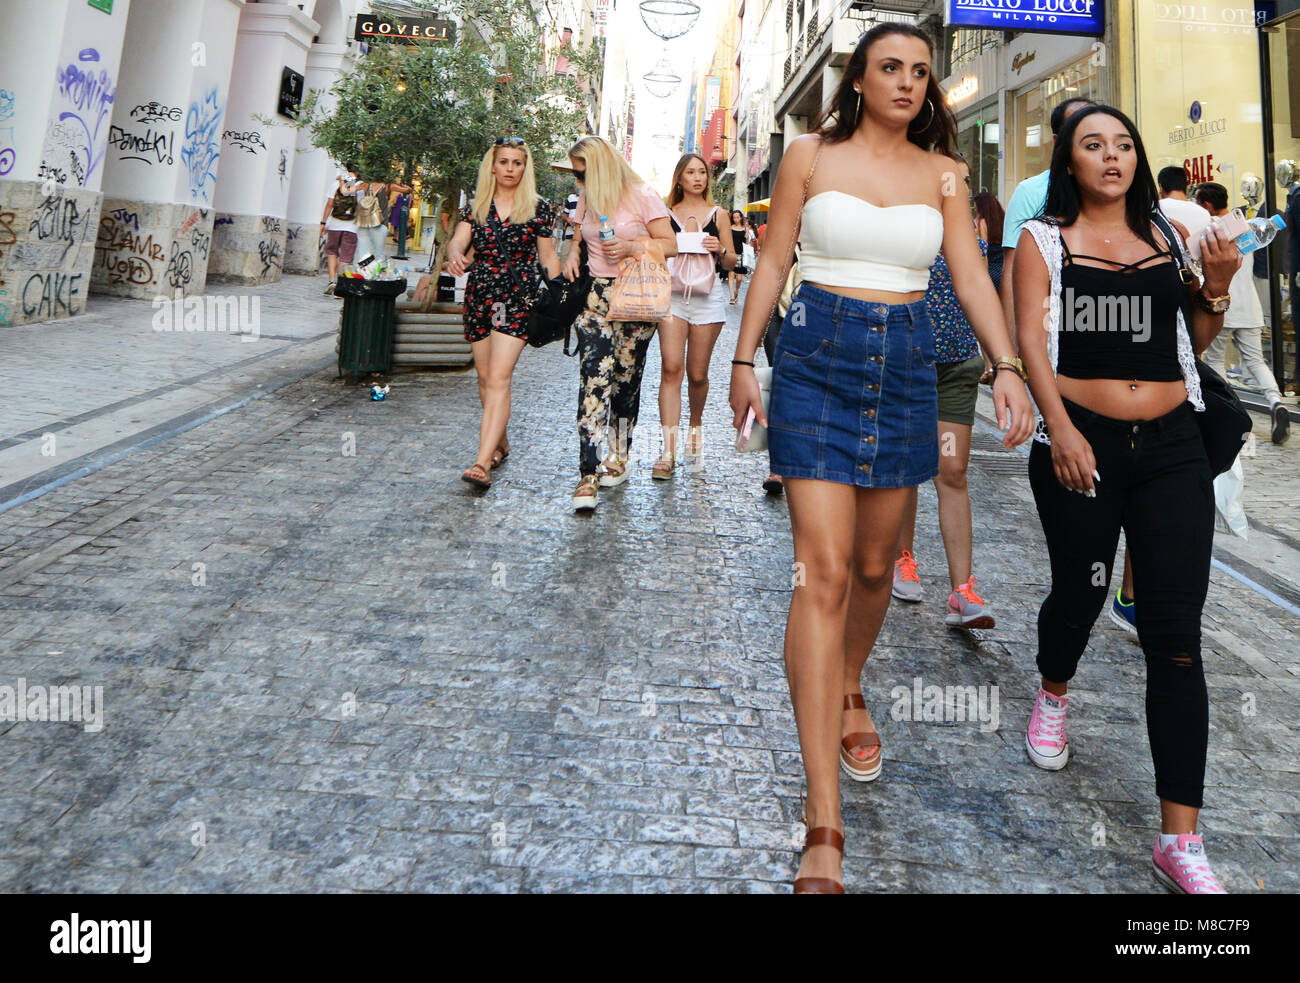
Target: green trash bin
[(366, 333)]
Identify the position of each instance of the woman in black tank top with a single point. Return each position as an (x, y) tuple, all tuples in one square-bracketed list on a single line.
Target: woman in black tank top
[(737, 274), (1107, 329)]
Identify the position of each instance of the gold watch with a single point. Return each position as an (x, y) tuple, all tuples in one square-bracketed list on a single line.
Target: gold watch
[(1212, 305), (1017, 366)]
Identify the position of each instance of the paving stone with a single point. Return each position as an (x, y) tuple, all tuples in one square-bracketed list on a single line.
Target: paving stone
[(391, 683)]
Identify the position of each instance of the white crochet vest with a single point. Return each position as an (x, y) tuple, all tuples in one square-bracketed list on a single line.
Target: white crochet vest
[(1048, 237)]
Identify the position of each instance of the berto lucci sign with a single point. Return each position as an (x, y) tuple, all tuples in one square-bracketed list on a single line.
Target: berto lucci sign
[(1045, 16)]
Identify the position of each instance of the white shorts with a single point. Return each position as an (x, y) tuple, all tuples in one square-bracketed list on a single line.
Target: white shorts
[(703, 307)]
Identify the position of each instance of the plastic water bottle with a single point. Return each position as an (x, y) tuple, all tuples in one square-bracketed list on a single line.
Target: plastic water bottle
[(1262, 232), (607, 233)]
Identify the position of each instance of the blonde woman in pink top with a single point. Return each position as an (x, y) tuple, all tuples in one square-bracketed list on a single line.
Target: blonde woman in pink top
[(612, 353)]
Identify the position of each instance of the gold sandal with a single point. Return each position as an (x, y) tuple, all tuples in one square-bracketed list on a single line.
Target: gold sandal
[(663, 469), (616, 472)]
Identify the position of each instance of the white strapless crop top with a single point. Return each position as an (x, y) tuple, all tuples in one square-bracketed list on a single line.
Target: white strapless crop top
[(848, 242)]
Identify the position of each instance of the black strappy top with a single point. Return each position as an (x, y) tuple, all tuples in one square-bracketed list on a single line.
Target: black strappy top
[(1121, 323)]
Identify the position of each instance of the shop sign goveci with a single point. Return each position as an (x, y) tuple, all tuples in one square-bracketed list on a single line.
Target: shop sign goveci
[(1048, 16), (411, 30)]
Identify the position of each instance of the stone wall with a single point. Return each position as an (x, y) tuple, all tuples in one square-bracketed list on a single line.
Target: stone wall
[(47, 248), (247, 249), (146, 249), (303, 250)]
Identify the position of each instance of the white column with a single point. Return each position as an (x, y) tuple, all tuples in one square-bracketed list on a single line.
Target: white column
[(313, 171), (163, 148), (58, 79), (257, 162)]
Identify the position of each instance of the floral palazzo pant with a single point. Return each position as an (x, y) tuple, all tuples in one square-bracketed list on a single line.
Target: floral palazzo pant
[(612, 356)]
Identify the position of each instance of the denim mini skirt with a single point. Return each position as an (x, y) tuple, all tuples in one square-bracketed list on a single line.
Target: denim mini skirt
[(854, 392)]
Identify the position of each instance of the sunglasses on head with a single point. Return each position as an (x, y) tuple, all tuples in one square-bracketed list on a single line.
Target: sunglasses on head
[(509, 142)]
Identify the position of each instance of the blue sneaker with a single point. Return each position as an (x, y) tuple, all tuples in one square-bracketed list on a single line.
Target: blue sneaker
[(1124, 615)]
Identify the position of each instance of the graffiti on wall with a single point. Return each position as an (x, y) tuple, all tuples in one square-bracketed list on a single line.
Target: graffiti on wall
[(7, 238), (249, 140), (149, 146), (57, 220), (55, 295), (269, 252), (8, 156), (154, 112), (123, 255), (202, 144), (77, 138), (180, 268)]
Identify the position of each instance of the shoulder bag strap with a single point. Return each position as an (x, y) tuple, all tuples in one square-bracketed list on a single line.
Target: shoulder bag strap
[(494, 227), (798, 227)]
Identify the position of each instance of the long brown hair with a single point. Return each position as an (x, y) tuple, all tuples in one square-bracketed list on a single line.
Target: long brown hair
[(839, 119), (677, 194), (990, 210)]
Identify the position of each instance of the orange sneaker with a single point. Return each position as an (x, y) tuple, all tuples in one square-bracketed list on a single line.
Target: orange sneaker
[(966, 609), (907, 585)]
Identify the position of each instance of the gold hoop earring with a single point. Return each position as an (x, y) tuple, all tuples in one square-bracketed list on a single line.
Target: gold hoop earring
[(927, 122)]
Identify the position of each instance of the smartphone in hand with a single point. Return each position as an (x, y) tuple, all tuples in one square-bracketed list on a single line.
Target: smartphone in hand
[(743, 437)]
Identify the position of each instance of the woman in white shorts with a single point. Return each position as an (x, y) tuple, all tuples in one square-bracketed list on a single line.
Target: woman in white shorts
[(688, 334)]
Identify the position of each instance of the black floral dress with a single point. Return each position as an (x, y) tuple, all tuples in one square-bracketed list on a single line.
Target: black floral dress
[(495, 297)]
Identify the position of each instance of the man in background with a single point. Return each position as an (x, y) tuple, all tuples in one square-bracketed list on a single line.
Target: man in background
[(1174, 202)]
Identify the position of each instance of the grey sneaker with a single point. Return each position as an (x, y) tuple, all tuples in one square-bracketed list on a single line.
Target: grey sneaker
[(329, 288), (907, 585), (1281, 423), (966, 609)]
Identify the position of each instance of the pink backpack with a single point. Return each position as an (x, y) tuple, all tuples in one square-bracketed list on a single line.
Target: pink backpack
[(692, 272)]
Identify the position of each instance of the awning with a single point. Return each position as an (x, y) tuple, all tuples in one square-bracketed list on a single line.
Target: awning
[(758, 206)]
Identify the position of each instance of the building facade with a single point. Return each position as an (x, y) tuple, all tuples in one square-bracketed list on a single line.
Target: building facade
[(134, 159)]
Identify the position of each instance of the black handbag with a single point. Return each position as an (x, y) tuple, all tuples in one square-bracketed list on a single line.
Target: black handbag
[(1226, 423), (557, 305), (554, 304)]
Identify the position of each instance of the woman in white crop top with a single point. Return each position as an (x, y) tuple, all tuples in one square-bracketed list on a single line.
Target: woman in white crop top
[(853, 416)]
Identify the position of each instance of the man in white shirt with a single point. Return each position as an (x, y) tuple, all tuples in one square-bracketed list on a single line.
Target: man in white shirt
[(1175, 204), (1244, 320)]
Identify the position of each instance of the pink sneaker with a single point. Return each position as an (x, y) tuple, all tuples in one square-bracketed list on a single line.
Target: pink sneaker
[(1045, 740), (1184, 868)]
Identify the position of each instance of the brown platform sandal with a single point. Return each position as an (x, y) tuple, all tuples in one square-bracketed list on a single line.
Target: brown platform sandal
[(820, 836), (861, 739), (477, 475)]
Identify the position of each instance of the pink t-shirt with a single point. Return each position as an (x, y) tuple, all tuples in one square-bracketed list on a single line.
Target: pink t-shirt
[(636, 211)]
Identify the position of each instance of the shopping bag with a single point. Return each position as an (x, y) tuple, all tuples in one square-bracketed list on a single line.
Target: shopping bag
[(1229, 516), (642, 289)]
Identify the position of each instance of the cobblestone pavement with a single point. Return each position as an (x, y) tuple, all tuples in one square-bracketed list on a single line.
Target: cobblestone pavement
[(340, 671)]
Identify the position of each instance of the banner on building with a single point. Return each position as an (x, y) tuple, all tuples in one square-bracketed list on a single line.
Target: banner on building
[(1039, 16)]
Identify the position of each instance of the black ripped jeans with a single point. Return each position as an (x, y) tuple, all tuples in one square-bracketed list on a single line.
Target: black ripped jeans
[(1156, 484)]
